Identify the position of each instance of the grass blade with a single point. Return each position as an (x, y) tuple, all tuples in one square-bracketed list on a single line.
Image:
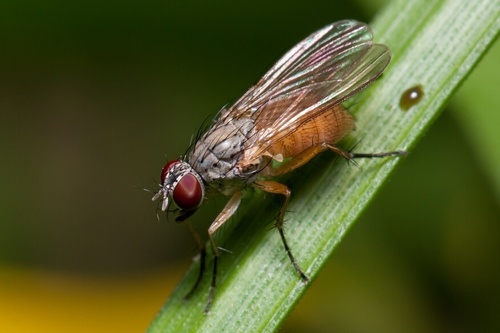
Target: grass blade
[(434, 44)]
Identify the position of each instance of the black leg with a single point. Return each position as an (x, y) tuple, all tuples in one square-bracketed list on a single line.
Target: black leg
[(278, 188), (212, 286), (303, 276), (372, 155), (223, 217), (203, 255)]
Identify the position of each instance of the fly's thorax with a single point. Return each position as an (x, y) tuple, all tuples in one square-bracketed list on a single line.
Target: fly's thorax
[(217, 153), (183, 184)]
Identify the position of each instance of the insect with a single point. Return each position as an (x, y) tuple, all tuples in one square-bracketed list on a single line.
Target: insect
[(411, 97), (293, 113)]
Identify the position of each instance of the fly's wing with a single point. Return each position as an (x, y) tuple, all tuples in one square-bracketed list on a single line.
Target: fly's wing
[(323, 70)]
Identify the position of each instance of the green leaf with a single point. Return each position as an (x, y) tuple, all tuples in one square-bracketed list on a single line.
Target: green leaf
[(435, 44)]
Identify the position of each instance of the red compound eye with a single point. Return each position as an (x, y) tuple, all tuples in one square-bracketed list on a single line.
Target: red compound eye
[(188, 193), (166, 168)]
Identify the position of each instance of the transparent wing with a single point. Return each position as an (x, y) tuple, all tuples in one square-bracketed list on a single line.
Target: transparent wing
[(323, 70)]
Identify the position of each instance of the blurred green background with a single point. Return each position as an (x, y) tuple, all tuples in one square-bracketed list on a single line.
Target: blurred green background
[(95, 96)]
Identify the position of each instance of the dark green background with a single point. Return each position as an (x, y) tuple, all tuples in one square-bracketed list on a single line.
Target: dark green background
[(94, 95)]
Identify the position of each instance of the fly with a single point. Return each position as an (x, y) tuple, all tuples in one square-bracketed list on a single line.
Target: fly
[(292, 114)]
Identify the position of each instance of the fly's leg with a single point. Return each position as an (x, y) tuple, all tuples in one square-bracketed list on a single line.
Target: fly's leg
[(297, 161), (372, 155), (278, 188), (312, 151), (223, 217), (203, 255)]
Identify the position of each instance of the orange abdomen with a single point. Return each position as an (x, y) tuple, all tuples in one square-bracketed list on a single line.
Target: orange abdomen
[(330, 126)]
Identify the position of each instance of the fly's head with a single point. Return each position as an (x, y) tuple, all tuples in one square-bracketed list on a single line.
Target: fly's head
[(181, 183)]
